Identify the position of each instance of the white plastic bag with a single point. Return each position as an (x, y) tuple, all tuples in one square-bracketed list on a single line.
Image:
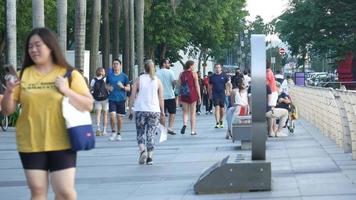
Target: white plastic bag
[(161, 134)]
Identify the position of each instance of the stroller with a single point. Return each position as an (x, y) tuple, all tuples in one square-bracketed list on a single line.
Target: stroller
[(293, 115)]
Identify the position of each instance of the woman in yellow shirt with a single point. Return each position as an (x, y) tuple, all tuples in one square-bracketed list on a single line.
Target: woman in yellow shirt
[(41, 135)]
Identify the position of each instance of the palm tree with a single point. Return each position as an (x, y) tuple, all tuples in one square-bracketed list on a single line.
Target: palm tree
[(11, 32), (62, 24), (37, 13), (126, 59), (132, 38), (94, 36), (140, 7), (116, 28), (106, 35), (79, 35)]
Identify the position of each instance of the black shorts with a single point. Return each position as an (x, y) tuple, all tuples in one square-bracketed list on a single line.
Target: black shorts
[(219, 101), (170, 106), (49, 160), (117, 107)]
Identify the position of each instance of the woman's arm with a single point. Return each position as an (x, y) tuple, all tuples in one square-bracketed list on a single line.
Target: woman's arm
[(8, 104), (196, 80), (133, 94), (160, 97)]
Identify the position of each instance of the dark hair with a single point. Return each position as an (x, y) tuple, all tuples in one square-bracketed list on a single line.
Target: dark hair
[(162, 62), (50, 40), (210, 73), (97, 72), (245, 72), (240, 84), (116, 59), (188, 64), (278, 71)]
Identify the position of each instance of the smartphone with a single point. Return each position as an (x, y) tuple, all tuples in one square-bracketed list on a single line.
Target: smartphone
[(11, 73)]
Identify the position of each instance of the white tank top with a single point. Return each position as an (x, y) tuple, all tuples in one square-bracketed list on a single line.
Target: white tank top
[(147, 97), (241, 97)]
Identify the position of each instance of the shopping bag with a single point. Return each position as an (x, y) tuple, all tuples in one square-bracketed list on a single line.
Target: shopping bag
[(161, 134), (79, 127), (78, 124)]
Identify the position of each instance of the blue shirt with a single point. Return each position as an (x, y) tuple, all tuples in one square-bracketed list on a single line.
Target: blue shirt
[(167, 77), (218, 82), (118, 94)]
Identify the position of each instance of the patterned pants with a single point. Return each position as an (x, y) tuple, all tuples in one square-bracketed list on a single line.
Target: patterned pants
[(147, 122)]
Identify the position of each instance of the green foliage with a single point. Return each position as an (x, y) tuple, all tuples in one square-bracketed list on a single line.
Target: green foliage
[(319, 26)]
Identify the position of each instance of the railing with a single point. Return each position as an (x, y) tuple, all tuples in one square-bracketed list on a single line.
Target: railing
[(332, 111)]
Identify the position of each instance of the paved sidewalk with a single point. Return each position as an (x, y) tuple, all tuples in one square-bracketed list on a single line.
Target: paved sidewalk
[(304, 166)]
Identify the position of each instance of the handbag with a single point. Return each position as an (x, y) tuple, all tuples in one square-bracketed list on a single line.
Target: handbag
[(78, 123), (161, 134)]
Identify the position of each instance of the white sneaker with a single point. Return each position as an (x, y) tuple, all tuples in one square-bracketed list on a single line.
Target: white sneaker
[(104, 132), (281, 134), (118, 137), (113, 137)]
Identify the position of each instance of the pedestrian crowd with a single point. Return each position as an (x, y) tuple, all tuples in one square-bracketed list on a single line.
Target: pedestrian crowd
[(42, 141)]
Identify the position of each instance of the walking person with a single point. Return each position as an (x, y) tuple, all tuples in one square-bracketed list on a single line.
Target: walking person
[(118, 85), (188, 81), (167, 79), (147, 98), (41, 134), (208, 100), (217, 84), (100, 93), (201, 87)]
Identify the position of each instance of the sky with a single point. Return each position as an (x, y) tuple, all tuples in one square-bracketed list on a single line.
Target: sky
[(267, 9)]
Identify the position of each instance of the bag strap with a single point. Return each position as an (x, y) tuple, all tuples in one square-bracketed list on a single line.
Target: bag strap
[(68, 75)]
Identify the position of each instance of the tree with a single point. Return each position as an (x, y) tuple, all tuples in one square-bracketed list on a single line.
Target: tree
[(62, 24), (140, 7), (11, 32), (38, 13), (94, 36), (126, 59), (106, 35), (323, 27), (132, 39), (116, 29), (80, 17)]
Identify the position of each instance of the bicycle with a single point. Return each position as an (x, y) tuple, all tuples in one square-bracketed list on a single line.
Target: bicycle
[(4, 122)]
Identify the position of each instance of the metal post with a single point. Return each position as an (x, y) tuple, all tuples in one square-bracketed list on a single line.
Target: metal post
[(258, 73)]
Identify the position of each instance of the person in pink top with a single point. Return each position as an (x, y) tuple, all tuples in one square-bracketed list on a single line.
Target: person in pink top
[(271, 82)]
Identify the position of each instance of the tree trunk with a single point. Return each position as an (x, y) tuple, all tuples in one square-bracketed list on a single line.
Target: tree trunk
[(94, 36), (116, 29), (11, 32), (132, 39), (163, 51), (199, 59), (38, 13), (80, 15), (106, 35), (62, 24), (126, 59), (140, 7)]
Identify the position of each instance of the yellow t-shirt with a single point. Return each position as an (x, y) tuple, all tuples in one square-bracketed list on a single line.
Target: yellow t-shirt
[(40, 126)]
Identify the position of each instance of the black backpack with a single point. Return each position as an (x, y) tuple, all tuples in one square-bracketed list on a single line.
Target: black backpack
[(100, 92)]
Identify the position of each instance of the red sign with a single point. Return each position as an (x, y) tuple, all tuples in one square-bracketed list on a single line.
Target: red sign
[(282, 51)]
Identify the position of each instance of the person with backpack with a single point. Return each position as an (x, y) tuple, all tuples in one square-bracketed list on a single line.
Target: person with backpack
[(189, 95), (100, 93)]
